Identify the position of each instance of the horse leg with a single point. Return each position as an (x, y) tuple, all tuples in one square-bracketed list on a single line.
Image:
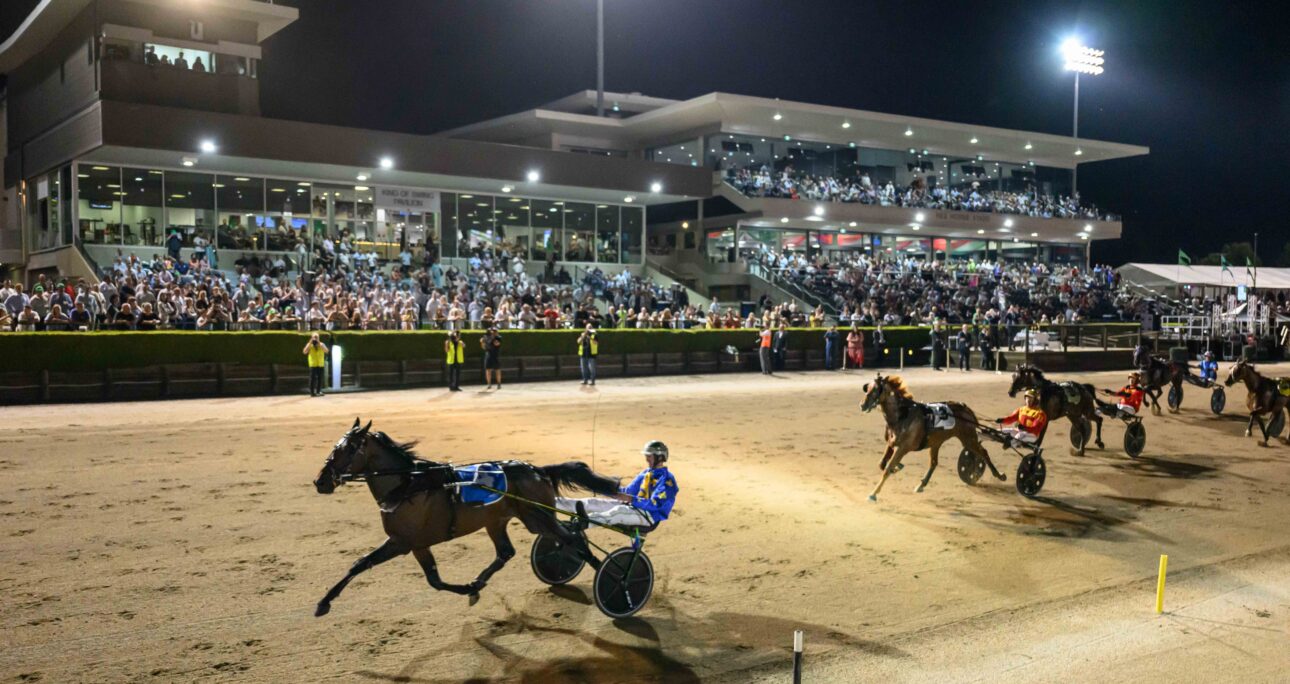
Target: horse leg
[(886, 456), (426, 559), (1097, 420), (984, 455), (886, 472), (1249, 427), (390, 549), (505, 552), (1263, 428), (930, 469)]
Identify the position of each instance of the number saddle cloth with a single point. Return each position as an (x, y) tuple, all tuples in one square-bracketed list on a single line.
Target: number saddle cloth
[(1071, 392), (469, 479)]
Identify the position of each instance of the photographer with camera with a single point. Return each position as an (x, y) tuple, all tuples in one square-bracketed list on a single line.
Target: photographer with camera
[(316, 352)]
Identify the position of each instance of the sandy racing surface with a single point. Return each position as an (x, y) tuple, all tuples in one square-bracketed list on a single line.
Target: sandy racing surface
[(183, 541)]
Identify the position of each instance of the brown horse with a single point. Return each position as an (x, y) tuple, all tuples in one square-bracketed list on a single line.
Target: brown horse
[(907, 429), (1263, 392), (1054, 402), (418, 509)]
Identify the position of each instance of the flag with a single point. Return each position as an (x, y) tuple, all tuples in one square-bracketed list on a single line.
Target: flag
[(1183, 259), (1226, 266), (1251, 271)]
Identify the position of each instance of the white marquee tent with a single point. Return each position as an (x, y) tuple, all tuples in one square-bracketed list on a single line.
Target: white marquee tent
[(1168, 276)]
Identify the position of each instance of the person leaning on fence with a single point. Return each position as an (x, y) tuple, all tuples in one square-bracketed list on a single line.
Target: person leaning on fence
[(763, 348), (454, 352), (316, 354), (830, 346), (588, 350)]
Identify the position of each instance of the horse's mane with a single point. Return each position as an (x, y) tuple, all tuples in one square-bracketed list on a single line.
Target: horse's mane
[(898, 386), (404, 449), (1035, 370)]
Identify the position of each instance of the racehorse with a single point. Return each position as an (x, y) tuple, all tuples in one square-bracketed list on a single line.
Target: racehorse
[(418, 509), (1055, 403), (907, 428), (1158, 373), (1267, 399)]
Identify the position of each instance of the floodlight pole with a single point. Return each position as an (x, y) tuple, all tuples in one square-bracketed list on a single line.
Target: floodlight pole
[(600, 58), (1075, 168)]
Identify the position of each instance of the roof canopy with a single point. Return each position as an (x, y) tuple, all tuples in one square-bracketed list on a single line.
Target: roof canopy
[(1170, 275)]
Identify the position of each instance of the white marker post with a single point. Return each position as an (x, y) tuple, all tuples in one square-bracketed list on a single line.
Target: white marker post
[(797, 656), (337, 361)]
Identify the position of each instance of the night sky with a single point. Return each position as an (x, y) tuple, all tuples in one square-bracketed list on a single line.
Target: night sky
[(1205, 85)]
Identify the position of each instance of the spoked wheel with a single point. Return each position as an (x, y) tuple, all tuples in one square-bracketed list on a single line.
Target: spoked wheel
[(1081, 432), (555, 562), (624, 582), (1217, 400), (970, 467), (1135, 439), (1031, 474), (1175, 397), (1277, 424)]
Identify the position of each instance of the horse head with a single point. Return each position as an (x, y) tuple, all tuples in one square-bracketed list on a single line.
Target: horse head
[(1238, 372), (1024, 377), (873, 393), (348, 457)]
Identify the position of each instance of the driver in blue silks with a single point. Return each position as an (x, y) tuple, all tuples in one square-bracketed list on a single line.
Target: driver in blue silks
[(1209, 368), (645, 502)]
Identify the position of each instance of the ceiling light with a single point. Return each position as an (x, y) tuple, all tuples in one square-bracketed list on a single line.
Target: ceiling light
[(1083, 236), (788, 137), (1034, 235), (980, 231), (1078, 152), (100, 168), (468, 197), (685, 225), (277, 189), (360, 188), (914, 226), (846, 124), (913, 151), (138, 179), (974, 140), (303, 184), (1088, 227), (533, 176), (851, 144), (188, 161), (217, 185), (819, 211), (241, 179), (629, 199), (784, 220), (1015, 240), (83, 175), (656, 187), (1029, 146), (909, 131), (507, 188), (1007, 223), (387, 163), (777, 116), (919, 217), (853, 224), (361, 177), (208, 146)]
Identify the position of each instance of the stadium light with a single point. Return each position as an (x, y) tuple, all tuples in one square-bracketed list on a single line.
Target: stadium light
[(656, 188), (209, 147), (1081, 59), (534, 176), (387, 163)]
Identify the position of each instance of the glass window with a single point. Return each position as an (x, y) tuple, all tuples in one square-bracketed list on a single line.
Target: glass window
[(513, 232), (143, 208), (180, 58), (689, 152), (448, 236), (190, 209), (633, 222), (721, 245), (547, 220), (241, 205), (607, 234), (98, 204), (475, 220), (579, 222)]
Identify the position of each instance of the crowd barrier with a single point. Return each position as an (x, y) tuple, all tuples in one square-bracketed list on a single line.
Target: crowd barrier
[(116, 366)]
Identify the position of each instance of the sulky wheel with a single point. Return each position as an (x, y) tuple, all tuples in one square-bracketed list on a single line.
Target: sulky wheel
[(1217, 400), (553, 561), (1080, 433), (624, 582), (970, 467), (1277, 424), (1135, 439), (1031, 473), (1175, 397)]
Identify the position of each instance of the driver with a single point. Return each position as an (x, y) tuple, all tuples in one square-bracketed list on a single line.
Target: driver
[(1130, 396), (647, 501), (1029, 421), (1209, 368)]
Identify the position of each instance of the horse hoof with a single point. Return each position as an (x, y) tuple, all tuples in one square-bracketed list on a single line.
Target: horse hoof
[(1003, 478), (899, 467), (1101, 445), (1263, 443), (474, 598), (919, 489), (322, 609), (873, 498)]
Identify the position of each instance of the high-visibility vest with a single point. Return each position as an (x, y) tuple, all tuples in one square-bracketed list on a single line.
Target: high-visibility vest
[(317, 358), (460, 356), (595, 347)]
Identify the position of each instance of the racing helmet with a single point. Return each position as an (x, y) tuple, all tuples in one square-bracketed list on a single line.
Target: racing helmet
[(1209, 354), (655, 448), (1032, 393)]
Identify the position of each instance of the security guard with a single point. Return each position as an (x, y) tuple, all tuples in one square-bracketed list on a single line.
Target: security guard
[(454, 351), (316, 353)]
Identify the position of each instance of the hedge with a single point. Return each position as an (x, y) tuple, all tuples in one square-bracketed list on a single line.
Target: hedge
[(61, 351)]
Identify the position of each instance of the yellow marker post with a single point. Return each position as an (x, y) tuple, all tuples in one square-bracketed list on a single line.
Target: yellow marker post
[(1160, 585)]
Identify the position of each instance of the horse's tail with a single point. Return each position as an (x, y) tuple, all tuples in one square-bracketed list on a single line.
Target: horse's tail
[(579, 475)]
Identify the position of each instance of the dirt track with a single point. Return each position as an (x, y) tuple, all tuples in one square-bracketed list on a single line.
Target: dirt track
[(182, 541)]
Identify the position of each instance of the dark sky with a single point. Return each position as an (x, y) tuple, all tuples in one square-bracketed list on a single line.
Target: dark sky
[(1205, 85)]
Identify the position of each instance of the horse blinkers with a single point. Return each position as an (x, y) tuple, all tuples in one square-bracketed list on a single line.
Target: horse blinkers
[(329, 478)]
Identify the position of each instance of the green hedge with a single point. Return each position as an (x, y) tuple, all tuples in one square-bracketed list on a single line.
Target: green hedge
[(100, 350)]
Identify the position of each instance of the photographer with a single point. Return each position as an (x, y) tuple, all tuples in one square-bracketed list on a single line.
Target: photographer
[(316, 352)]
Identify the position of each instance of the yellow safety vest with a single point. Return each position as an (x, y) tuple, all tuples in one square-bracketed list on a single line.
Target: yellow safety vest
[(317, 358), (595, 347), (460, 356)]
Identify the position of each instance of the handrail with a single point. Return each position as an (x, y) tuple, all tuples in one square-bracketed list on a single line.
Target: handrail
[(793, 290)]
